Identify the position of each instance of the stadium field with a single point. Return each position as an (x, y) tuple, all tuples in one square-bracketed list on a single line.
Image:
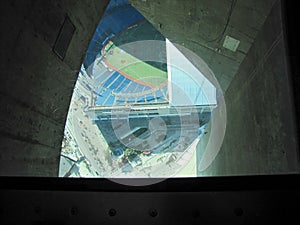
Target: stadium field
[(133, 68)]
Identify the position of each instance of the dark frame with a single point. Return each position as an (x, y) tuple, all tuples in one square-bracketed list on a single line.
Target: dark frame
[(199, 184)]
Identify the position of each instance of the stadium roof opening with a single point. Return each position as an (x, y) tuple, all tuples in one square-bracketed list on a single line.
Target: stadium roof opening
[(123, 118), (187, 85)]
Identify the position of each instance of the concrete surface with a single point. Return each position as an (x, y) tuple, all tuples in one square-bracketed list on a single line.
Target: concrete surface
[(36, 86), (201, 27), (260, 134)]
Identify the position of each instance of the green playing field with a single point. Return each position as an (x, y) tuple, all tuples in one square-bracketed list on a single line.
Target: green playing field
[(133, 68)]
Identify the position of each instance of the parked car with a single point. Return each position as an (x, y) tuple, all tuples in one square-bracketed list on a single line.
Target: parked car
[(147, 153)]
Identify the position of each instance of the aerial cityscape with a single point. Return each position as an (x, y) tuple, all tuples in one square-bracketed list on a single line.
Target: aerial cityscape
[(136, 109)]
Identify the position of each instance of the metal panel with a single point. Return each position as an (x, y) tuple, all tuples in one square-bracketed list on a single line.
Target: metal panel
[(64, 38), (227, 200)]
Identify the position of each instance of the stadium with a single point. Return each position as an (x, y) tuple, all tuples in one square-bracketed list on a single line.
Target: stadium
[(143, 94), (123, 24)]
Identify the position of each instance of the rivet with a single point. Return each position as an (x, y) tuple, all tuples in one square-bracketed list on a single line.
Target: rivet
[(153, 212), (112, 212)]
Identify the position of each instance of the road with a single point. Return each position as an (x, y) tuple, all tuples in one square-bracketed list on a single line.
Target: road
[(88, 137)]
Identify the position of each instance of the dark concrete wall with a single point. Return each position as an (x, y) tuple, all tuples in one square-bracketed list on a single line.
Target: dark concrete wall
[(36, 86), (260, 135), (198, 26)]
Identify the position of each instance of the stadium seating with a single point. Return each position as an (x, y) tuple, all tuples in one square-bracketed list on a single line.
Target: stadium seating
[(115, 20), (116, 89)]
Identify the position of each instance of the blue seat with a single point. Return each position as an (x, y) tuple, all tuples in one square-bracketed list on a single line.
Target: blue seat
[(130, 88), (159, 96), (122, 86), (139, 88), (141, 99), (100, 100), (131, 100), (110, 101), (116, 83), (110, 79), (150, 98)]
